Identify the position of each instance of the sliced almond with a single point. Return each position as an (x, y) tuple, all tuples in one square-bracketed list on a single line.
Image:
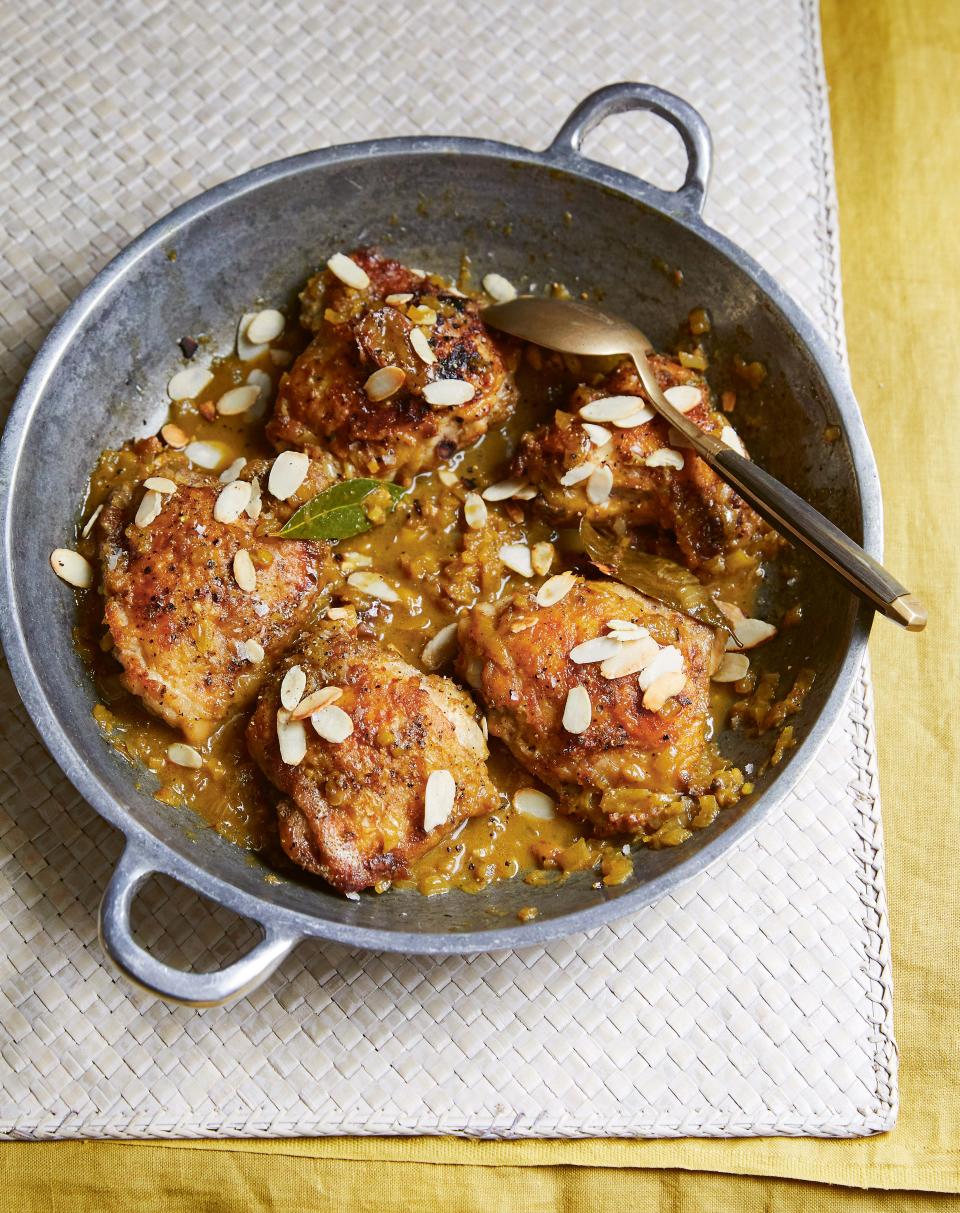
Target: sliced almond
[(503, 490), (209, 455), (264, 385), (531, 802), (332, 724), (237, 400), (149, 508), (292, 687), (448, 393), (598, 649), (160, 484), (287, 474), (475, 511), (732, 667), (374, 585), (441, 648), (597, 434), (448, 477), (634, 656), (730, 436), (189, 383), (247, 350), (399, 298), (541, 557), (72, 568), (265, 326), (232, 501), (612, 408), (89, 524), (527, 493), (339, 613), (182, 755), (254, 651), (516, 556), (600, 485), (384, 383), (749, 633), (668, 661), (292, 739), (421, 347), (349, 273), (731, 611), (315, 701), (244, 573), (683, 397), (662, 689), (439, 797), (577, 711), (174, 436), (352, 561), (583, 471), (664, 458), (419, 313), (500, 289), (555, 589), (233, 471), (255, 504)]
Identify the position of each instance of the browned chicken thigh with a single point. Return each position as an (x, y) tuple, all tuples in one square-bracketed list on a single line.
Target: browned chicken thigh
[(383, 762), (400, 375), (652, 481), (200, 600), (602, 695)]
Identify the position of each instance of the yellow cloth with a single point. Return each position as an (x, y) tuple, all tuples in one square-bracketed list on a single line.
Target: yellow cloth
[(893, 67)]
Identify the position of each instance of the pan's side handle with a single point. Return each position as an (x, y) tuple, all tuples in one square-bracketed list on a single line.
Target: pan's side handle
[(620, 98), (191, 989)]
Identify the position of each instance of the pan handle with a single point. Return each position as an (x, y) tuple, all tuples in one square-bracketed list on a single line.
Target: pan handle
[(619, 99), (176, 985)]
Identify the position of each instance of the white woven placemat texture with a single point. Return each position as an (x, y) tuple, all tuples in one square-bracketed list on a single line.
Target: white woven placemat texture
[(755, 1001)]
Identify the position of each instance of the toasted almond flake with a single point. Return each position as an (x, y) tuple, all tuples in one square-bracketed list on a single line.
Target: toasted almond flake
[(448, 477), (627, 625), (281, 357), (632, 420), (503, 489), (597, 434), (421, 314), (160, 484), (662, 689), (182, 755), (292, 687), (262, 382), (232, 501), (484, 728), (610, 408), (527, 493), (352, 896), (583, 471), (577, 711), (668, 661), (254, 651), (209, 455), (730, 436), (233, 471), (598, 649), (247, 350), (523, 625), (174, 436), (635, 655), (683, 397), (441, 648), (531, 802), (149, 508), (448, 393), (439, 797), (749, 633), (664, 458), (255, 504), (516, 556), (265, 326), (421, 347), (383, 384), (316, 700), (292, 738), (189, 383), (287, 474), (332, 724), (732, 667), (352, 561), (475, 511), (244, 573), (238, 400), (374, 585), (89, 524), (72, 568), (555, 589), (398, 299), (347, 270), (338, 613), (541, 557), (500, 289), (600, 485), (731, 611)]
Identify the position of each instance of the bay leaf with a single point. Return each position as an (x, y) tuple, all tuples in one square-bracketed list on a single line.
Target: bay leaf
[(338, 512)]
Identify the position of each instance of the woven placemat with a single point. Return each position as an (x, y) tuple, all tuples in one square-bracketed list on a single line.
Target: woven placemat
[(754, 1001)]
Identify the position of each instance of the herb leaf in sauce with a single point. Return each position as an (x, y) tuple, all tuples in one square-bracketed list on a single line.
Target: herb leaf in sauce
[(655, 576), (343, 510)]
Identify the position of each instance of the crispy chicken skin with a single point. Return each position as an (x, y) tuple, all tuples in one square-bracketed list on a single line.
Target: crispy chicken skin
[(321, 402), (177, 616), (354, 812), (705, 515), (630, 763)]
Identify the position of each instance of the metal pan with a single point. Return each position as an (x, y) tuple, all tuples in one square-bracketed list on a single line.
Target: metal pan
[(532, 215)]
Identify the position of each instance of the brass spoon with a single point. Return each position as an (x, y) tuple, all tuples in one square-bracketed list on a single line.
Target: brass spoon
[(579, 328)]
